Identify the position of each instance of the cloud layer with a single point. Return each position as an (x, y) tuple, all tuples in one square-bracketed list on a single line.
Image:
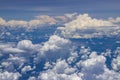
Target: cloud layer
[(59, 57)]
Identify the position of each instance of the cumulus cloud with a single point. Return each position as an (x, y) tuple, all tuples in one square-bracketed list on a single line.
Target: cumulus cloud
[(26, 68), (13, 23), (115, 20), (89, 69), (116, 64), (60, 71), (25, 44), (86, 27), (47, 19), (2, 21), (9, 75), (40, 20), (55, 47)]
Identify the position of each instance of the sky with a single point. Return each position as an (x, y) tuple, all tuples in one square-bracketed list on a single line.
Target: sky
[(27, 9), (59, 40)]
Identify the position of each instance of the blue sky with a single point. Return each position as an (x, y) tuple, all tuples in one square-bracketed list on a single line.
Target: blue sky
[(27, 9)]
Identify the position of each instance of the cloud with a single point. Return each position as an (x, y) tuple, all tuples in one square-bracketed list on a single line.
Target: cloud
[(9, 75), (86, 27), (40, 20), (83, 64), (115, 20), (108, 75), (13, 50), (92, 68), (13, 23), (116, 64), (37, 22), (55, 47), (26, 68), (60, 58), (25, 45), (2, 21), (60, 71)]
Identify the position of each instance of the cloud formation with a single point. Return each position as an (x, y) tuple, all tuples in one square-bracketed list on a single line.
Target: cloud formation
[(61, 58), (40, 20), (86, 27)]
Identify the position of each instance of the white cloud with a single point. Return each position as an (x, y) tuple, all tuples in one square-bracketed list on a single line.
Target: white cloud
[(71, 16), (46, 19), (2, 21), (116, 64), (16, 23), (86, 27), (9, 75), (13, 50), (115, 20), (39, 21), (108, 75), (60, 58), (60, 71), (25, 45), (26, 68), (55, 47), (13, 63), (32, 78), (54, 42)]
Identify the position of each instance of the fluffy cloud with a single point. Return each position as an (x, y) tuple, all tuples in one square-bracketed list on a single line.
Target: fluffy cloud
[(47, 19), (13, 23), (60, 71), (9, 76), (25, 44), (86, 27), (56, 47), (26, 68), (116, 64), (115, 20), (39, 21), (55, 42), (2, 21), (89, 69)]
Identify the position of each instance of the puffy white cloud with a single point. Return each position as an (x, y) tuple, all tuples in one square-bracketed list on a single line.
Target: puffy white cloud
[(108, 75), (13, 63), (13, 50), (9, 75), (55, 42), (55, 47), (2, 21), (115, 20), (86, 27), (26, 68), (32, 78), (46, 19), (39, 21), (85, 21), (25, 45), (60, 71), (72, 15), (116, 64), (16, 23)]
